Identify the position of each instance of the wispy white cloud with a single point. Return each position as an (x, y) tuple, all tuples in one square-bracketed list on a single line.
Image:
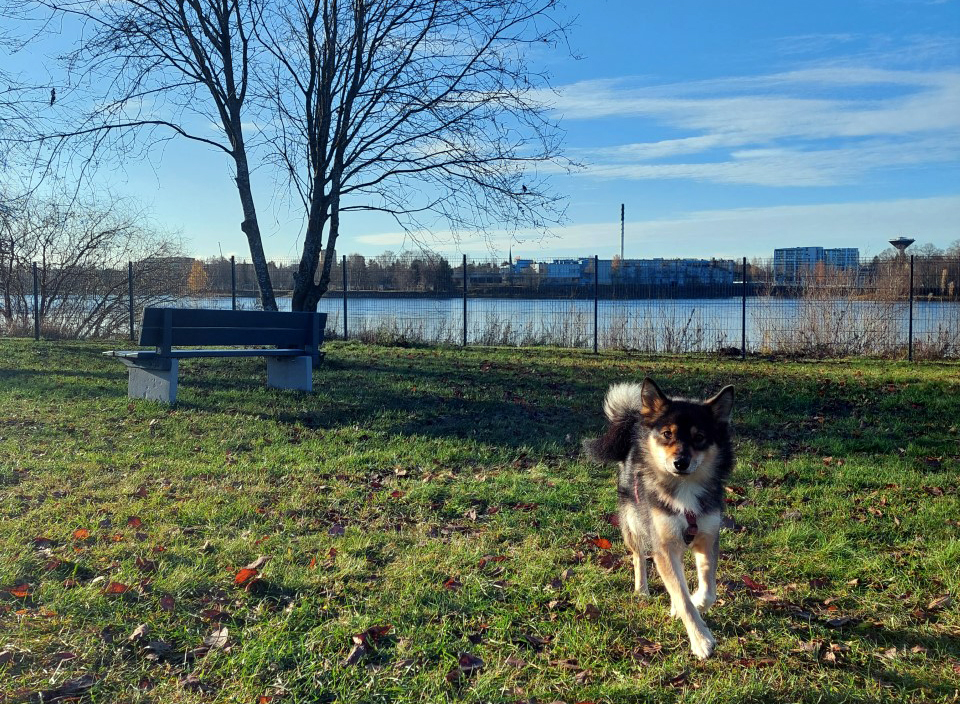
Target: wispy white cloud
[(811, 126), (729, 233)]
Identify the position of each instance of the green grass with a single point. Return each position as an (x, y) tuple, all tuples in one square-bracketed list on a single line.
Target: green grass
[(845, 501)]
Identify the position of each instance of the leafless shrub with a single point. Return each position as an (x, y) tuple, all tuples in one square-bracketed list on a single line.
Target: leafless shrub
[(82, 252), (835, 313)]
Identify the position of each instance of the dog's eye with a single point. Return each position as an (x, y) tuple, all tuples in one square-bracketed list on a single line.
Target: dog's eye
[(667, 435), (699, 438)]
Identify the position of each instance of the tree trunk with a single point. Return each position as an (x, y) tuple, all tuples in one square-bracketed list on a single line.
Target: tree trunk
[(251, 228), (310, 258), (330, 255)]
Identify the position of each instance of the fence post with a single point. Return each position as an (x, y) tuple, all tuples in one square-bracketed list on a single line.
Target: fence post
[(743, 312), (910, 324), (233, 282), (130, 295), (464, 300), (596, 296), (36, 304), (343, 269)]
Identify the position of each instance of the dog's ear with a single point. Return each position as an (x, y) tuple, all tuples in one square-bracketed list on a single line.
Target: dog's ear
[(652, 400), (614, 445), (721, 405)]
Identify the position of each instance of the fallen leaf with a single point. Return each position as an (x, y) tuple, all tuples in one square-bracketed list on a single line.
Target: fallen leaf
[(116, 588), (81, 533), (244, 576), (167, 603), (194, 684), (217, 639), (601, 543), (453, 584), (61, 657), (609, 561), (941, 602), (21, 591), (134, 522), (490, 558), (534, 640), (71, 689), (258, 563), (145, 565), (139, 633), (840, 622), (466, 664), (336, 529), (590, 612), (516, 662), (754, 587)]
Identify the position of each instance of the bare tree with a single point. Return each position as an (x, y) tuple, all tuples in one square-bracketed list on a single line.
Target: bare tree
[(166, 68), (417, 108), (424, 109), (81, 249)]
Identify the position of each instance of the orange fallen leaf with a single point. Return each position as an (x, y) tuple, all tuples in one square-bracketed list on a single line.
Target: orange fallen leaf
[(601, 543), (245, 575), (134, 521), (21, 591), (116, 588), (81, 533)]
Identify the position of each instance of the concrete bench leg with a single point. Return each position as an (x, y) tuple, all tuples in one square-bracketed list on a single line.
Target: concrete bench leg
[(153, 384), (290, 373)]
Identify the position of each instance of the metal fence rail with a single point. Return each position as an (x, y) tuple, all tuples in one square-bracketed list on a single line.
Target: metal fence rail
[(899, 307)]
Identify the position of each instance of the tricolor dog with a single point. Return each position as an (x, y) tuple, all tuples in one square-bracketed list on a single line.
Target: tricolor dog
[(675, 456)]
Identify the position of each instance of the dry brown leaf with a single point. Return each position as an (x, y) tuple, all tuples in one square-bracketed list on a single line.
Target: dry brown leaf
[(218, 638)]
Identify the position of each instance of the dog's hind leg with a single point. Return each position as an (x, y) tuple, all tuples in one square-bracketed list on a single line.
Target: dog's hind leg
[(669, 564), (706, 549), (640, 574)]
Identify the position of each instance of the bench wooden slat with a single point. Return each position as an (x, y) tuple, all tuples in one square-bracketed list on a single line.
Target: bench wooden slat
[(207, 318), (188, 336), (144, 355)]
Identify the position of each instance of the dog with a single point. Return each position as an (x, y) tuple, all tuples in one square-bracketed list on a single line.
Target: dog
[(675, 457)]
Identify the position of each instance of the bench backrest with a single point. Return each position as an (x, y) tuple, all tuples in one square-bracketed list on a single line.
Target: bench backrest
[(164, 328)]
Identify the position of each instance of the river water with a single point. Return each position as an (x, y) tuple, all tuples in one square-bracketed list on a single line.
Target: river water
[(652, 325)]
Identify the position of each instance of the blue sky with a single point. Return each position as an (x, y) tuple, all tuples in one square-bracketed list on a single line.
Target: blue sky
[(726, 128)]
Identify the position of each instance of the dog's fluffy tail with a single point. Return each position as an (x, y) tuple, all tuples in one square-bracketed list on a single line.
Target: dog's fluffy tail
[(622, 407), (622, 402)]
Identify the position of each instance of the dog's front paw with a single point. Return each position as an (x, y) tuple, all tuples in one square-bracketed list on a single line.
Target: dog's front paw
[(703, 600), (702, 643)]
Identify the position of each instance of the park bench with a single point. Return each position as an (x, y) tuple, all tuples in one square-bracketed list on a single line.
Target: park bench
[(293, 341)]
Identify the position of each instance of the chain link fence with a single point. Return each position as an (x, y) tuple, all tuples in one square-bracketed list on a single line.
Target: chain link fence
[(896, 307)]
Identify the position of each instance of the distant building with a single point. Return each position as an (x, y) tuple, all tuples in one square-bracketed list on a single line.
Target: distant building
[(792, 264), (643, 272)]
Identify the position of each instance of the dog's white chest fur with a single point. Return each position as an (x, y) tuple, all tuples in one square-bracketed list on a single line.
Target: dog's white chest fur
[(686, 497)]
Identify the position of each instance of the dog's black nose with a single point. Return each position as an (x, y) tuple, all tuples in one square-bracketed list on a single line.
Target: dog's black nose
[(681, 463)]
